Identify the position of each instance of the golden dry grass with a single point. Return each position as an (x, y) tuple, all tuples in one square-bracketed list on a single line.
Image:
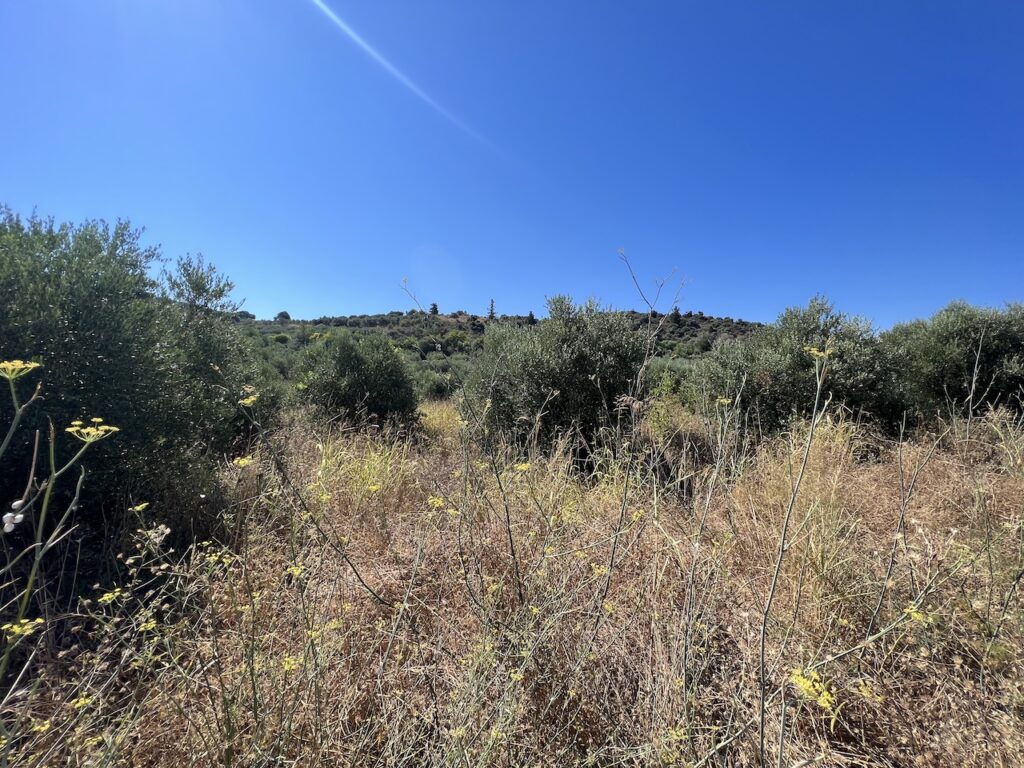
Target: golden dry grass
[(542, 616)]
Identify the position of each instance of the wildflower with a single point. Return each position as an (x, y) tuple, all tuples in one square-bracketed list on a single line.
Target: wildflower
[(243, 461), (523, 467), (15, 369), (140, 507), (373, 488), (810, 686), (608, 606), (516, 675), (290, 663), (820, 354), (81, 702), (250, 396), (295, 570), (676, 734), (435, 501), (599, 570), (108, 597), (92, 434), (22, 628), (725, 402), (916, 614), (148, 625), (535, 610), (42, 726)]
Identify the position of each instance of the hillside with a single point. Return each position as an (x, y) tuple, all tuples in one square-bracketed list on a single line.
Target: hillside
[(682, 334)]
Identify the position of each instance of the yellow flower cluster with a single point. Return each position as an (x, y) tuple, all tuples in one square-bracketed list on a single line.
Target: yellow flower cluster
[(821, 354), (21, 628), (435, 502), (15, 369), (915, 614), (725, 402), (290, 663), (810, 686), (90, 433), (108, 597), (524, 467), (243, 461), (250, 396), (676, 734)]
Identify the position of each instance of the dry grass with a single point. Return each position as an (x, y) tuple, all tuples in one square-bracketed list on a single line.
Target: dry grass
[(537, 616)]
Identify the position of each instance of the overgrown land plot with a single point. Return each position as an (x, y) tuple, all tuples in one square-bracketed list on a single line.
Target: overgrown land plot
[(595, 538)]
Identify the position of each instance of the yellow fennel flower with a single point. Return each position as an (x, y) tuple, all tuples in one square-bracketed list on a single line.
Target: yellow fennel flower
[(15, 369), (90, 434)]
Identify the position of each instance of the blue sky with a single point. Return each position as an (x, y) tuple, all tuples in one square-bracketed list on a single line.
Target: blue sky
[(870, 151)]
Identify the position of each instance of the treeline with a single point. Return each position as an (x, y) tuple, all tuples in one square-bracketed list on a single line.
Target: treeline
[(165, 356), (440, 348), (963, 360)]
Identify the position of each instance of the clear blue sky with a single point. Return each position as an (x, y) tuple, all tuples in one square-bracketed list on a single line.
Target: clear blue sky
[(768, 151)]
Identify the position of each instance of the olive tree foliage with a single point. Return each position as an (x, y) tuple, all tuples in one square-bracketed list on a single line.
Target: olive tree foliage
[(156, 357), (772, 374), (964, 358), (566, 373), (355, 376)]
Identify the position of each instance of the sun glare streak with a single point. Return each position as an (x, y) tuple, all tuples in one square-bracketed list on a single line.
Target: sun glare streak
[(396, 73)]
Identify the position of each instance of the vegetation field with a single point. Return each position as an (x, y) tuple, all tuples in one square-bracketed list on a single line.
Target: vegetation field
[(803, 545)]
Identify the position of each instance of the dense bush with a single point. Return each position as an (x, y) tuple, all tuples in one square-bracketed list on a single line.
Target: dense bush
[(348, 375), (160, 359), (776, 373), (962, 357), (567, 372)]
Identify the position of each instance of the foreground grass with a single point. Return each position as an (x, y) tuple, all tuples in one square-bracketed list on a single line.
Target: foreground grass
[(419, 602)]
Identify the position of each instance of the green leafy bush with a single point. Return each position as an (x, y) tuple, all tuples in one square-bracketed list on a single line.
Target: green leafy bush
[(963, 357), (773, 373), (565, 373), (350, 375), (160, 359)]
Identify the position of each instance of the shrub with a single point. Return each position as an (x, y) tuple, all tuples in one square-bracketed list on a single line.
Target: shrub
[(935, 359), (161, 360), (776, 373), (351, 375), (565, 373)]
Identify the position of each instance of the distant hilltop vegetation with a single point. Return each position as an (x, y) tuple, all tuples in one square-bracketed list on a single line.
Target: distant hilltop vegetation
[(682, 334)]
